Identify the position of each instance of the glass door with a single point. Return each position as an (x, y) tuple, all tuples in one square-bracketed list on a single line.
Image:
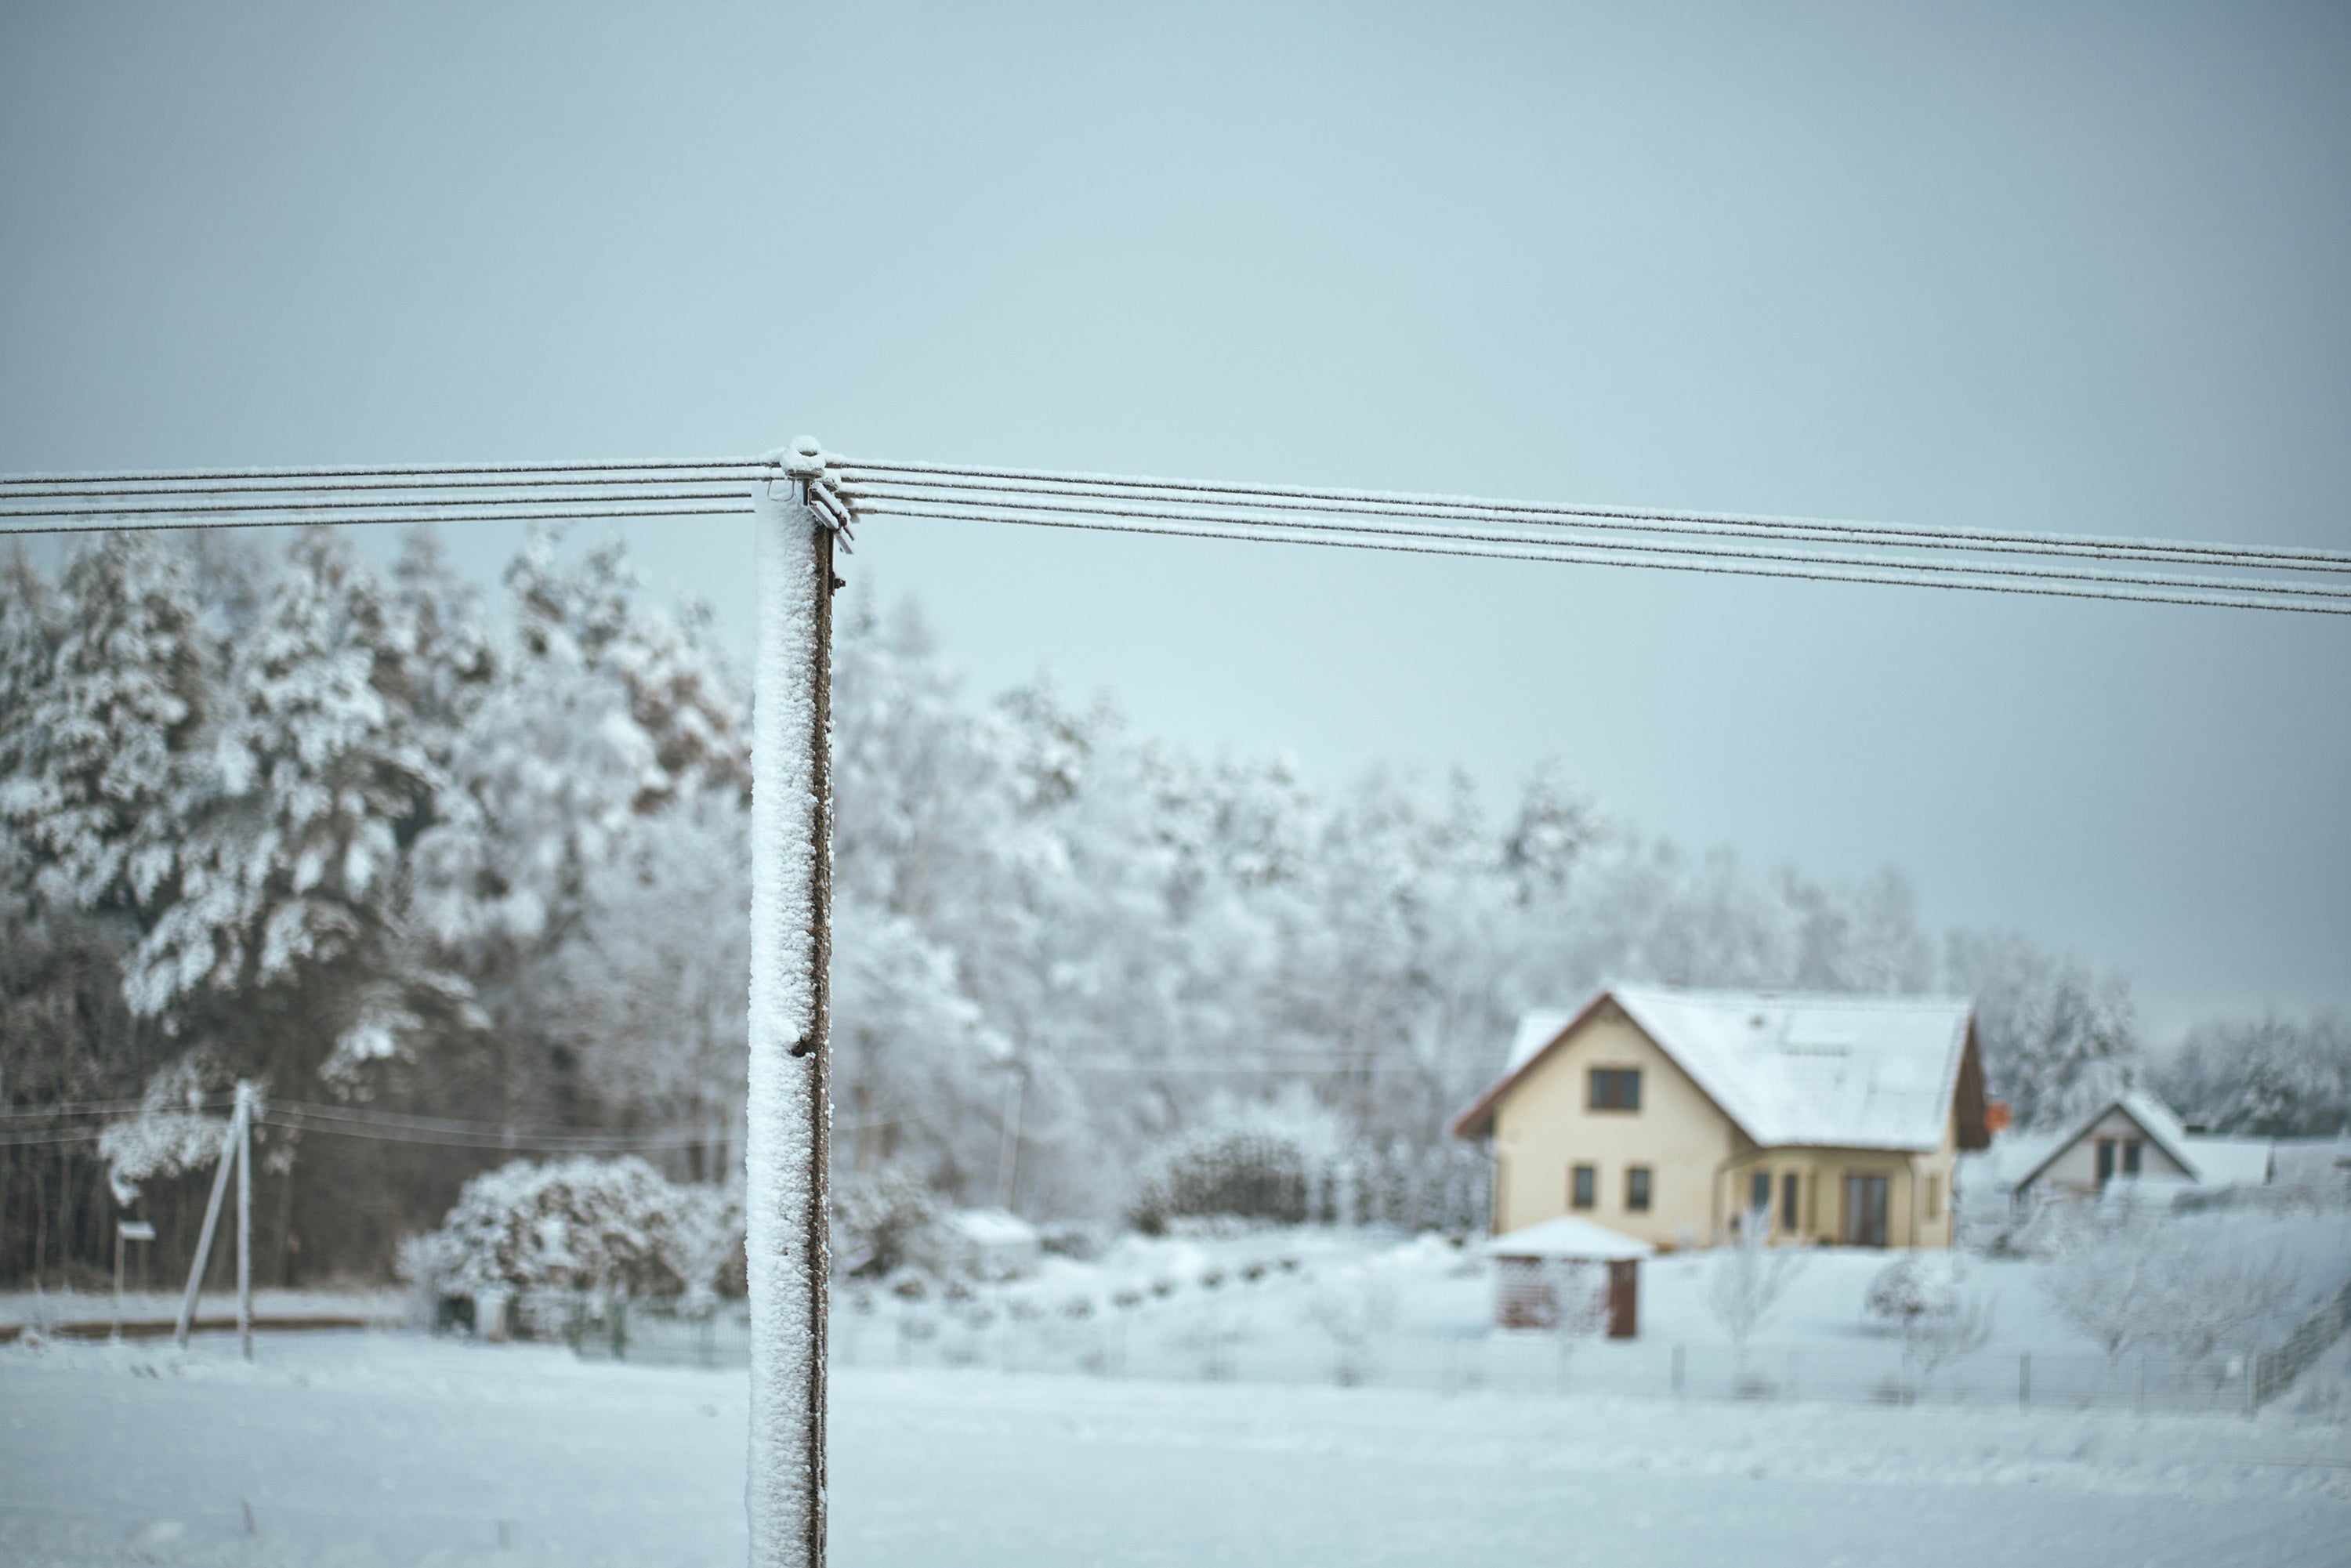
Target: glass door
[(1865, 1210)]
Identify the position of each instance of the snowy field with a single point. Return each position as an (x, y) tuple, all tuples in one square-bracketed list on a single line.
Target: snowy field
[(366, 1449)]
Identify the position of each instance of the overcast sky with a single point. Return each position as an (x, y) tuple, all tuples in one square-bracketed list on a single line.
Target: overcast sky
[(2038, 266)]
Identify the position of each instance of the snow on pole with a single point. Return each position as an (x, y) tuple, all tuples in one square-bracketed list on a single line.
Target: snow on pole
[(787, 1150)]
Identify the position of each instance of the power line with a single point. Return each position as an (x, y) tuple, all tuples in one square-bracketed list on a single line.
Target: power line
[(1393, 522), (1804, 532), (1413, 503), (720, 468), (1874, 563), (1726, 565)]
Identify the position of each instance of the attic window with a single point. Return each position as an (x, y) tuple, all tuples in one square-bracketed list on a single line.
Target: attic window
[(1615, 1089)]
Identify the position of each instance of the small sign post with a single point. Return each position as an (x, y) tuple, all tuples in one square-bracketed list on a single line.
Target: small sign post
[(128, 1230)]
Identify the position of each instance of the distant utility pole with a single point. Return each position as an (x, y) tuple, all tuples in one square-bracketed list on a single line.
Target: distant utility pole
[(799, 520), (236, 1152)]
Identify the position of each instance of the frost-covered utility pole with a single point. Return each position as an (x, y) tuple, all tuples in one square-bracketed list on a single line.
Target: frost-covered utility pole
[(790, 1114), (236, 1150)]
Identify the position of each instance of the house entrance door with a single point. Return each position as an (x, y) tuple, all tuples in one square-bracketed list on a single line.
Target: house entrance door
[(1865, 1210)]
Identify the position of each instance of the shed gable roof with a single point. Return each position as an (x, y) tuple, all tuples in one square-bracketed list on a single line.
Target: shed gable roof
[(2152, 1117), (1839, 1072)]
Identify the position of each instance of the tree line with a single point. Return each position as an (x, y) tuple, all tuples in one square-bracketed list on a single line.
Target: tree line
[(378, 839)]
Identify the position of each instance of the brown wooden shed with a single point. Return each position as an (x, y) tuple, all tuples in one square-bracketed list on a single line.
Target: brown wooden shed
[(1527, 1264)]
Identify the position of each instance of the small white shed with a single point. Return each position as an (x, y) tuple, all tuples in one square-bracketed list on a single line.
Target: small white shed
[(983, 1243), (1529, 1262)]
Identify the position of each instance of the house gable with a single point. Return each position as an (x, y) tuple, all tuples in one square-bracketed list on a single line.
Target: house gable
[(2073, 1161), (1545, 1126)]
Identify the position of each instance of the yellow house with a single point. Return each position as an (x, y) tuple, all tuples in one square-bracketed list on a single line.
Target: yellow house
[(1671, 1115)]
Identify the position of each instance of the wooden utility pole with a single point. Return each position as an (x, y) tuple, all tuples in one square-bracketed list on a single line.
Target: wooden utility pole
[(237, 1151), (244, 1135), (789, 1150)]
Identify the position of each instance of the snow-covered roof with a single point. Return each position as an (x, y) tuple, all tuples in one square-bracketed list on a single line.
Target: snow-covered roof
[(2012, 1156), (1843, 1072), (1536, 1030), (1569, 1238), (990, 1227), (2311, 1162), (2229, 1162), (2154, 1118)]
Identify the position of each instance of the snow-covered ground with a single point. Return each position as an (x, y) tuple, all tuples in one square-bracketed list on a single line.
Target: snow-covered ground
[(1257, 1307), (367, 1448)]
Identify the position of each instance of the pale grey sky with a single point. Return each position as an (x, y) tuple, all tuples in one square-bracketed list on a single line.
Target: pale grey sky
[(2046, 266)]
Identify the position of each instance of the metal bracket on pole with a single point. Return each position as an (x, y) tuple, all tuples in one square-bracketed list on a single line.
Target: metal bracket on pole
[(810, 467)]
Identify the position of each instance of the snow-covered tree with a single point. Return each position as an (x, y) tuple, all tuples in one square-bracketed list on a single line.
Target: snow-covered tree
[(108, 687), (2057, 1038), (1746, 1278), (283, 851), (649, 987), (2268, 1077)]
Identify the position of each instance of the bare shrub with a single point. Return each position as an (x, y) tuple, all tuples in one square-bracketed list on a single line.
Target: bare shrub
[(1748, 1276)]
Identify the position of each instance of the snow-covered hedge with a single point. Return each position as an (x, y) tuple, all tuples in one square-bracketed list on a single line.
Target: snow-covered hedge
[(613, 1227), (1255, 1170)]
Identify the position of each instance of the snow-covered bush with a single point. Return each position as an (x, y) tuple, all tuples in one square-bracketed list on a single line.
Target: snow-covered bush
[(1909, 1288), (876, 1216), (609, 1227)]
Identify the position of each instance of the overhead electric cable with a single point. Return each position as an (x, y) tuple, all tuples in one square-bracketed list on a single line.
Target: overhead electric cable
[(2278, 578), (1724, 563), (1791, 531), (940, 510), (1421, 502)]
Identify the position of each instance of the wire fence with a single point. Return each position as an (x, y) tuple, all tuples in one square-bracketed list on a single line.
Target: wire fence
[(1229, 1342), (2273, 1371)]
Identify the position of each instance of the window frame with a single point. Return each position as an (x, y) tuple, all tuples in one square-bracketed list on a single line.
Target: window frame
[(1640, 1188), (1792, 1202), (1621, 1095), (1583, 1188)]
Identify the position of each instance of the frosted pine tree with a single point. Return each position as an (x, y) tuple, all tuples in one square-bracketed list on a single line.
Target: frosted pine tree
[(106, 697), (283, 849)]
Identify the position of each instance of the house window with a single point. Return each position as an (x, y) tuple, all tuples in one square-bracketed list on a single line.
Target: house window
[(1758, 1195), (1583, 1186), (1934, 1197), (1636, 1189), (1615, 1089), (2131, 1156), (1791, 1187), (2105, 1161)]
